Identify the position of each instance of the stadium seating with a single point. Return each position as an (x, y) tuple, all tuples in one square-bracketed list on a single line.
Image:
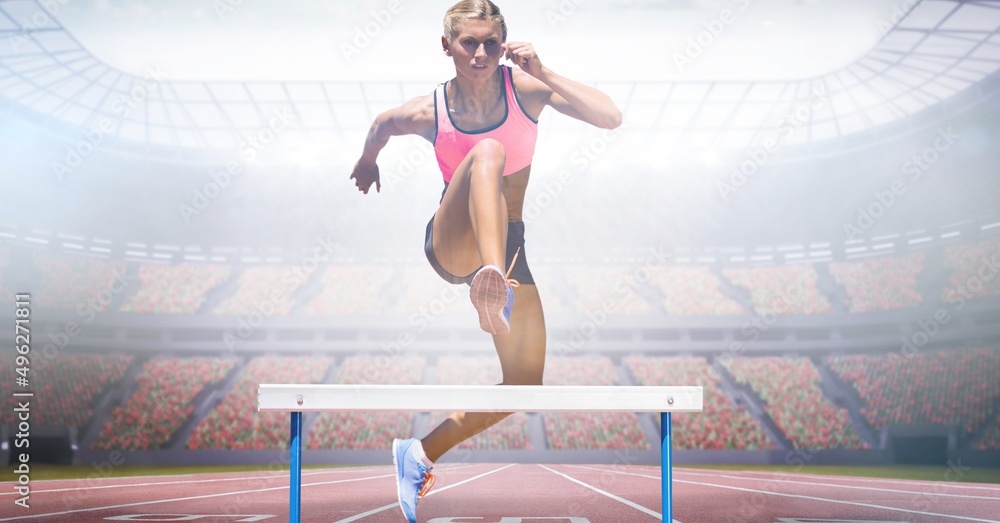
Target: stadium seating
[(236, 424), (545, 281), (510, 433), (790, 390), (350, 290), (882, 283), (966, 260), (598, 286), (692, 291), (174, 289), (257, 289), (597, 430), (368, 430), (161, 402), (64, 387), (787, 289), (427, 295), (943, 387), (991, 438), (722, 424), (69, 282)]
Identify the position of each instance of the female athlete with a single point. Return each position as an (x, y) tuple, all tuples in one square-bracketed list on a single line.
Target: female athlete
[(483, 124)]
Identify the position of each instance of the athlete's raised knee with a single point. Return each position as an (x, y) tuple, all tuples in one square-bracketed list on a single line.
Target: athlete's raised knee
[(490, 150)]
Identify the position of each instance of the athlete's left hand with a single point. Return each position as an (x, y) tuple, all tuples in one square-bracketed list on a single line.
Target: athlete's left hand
[(523, 54)]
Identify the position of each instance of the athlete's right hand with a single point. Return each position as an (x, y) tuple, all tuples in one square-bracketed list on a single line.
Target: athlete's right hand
[(364, 174)]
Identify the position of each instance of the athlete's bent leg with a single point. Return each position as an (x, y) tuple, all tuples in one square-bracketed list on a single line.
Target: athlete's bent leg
[(522, 359), (470, 226)]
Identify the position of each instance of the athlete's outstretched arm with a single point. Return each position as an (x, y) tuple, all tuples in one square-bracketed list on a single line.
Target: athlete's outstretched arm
[(408, 118), (571, 98)]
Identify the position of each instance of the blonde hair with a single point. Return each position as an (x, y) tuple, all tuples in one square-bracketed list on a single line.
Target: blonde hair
[(473, 10)]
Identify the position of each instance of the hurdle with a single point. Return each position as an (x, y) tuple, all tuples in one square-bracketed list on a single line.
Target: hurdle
[(476, 398)]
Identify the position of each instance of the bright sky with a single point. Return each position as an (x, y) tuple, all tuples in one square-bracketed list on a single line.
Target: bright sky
[(585, 39)]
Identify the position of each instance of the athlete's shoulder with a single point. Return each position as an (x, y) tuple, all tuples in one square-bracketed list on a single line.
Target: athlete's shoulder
[(416, 116), (531, 92)]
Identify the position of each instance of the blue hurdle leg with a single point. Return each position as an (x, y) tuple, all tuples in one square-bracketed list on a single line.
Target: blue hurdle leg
[(666, 469), (295, 483)]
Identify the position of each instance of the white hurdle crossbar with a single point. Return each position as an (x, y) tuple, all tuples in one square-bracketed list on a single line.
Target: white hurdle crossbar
[(476, 398)]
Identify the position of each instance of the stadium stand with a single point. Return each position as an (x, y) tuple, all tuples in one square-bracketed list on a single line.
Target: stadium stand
[(991, 438), (425, 293), (597, 286), (236, 424), (601, 430), (942, 387), (882, 283), (363, 284), (966, 260), (259, 285), (722, 425), (787, 289), (548, 289), (174, 289), (65, 387), (68, 282), (692, 290), (368, 430), (161, 402), (792, 397), (511, 432)]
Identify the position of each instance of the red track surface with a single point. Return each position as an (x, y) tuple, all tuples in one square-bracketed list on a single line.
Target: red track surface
[(488, 493)]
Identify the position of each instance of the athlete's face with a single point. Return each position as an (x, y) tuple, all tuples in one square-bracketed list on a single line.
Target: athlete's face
[(476, 48)]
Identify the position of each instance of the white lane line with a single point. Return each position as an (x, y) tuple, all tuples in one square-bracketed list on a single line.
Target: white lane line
[(195, 474), (610, 495), (396, 505), (272, 476), (283, 475), (838, 485), (800, 496), (914, 482), (206, 496)]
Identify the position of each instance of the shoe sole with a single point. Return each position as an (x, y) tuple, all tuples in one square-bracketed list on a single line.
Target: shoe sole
[(488, 293), (399, 495)]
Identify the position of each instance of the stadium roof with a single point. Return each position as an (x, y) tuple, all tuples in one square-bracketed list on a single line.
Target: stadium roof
[(928, 54)]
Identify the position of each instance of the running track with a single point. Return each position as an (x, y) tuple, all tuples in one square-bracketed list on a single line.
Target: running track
[(491, 493)]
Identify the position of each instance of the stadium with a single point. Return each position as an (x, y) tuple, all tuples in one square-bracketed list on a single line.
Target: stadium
[(798, 213)]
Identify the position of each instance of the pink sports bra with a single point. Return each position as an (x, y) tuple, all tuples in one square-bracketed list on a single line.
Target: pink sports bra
[(517, 132)]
